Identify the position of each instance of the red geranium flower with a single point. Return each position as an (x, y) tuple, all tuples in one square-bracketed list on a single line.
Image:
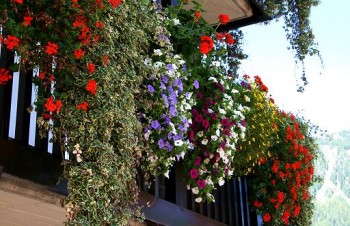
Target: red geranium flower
[(51, 105), (100, 25), (11, 42), (27, 20), (267, 217), (51, 48), (224, 18), (197, 15), (19, 1), (114, 3), (258, 204), (207, 44), (229, 39), (91, 67), (83, 106), (91, 86), (4, 76), (78, 53)]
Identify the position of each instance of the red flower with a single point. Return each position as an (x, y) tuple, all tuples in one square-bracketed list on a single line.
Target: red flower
[(51, 48), (79, 21), (285, 217), (194, 173), (207, 44), (197, 15), (83, 106), (4, 76), (114, 3), (201, 184), (19, 1), (267, 217), (51, 105), (100, 25), (296, 210), (78, 53), (91, 86), (258, 204), (224, 18), (220, 36), (11, 42), (41, 75), (280, 196), (229, 39), (27, 21), (91, 67), (262, 160), (58, 105)]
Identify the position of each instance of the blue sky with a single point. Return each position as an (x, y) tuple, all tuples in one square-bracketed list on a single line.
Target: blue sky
[(326, 99)]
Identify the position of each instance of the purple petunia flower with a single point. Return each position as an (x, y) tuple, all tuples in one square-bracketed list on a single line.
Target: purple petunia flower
[(170, 135), (150, 88), (165, 79), (169, 146), (155, 124), (172, 111), (170, 68), (161, 143), (162, 86), (184, 68), (196, 84), (166, 101)]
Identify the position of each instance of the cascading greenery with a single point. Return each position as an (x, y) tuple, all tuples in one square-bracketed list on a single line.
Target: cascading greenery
[(296, 14)]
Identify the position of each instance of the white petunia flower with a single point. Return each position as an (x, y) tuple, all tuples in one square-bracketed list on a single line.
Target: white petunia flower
[(214, 138), (200, 133), (221, 181), (205, 141), (210, 110), (157, 52), (213, 79), (198, 200), (178, 143), (222, 111), (195, 190)]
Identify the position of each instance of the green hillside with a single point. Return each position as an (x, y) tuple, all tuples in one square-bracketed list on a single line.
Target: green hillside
[(332, 204)]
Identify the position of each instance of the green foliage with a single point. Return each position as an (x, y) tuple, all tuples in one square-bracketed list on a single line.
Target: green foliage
[(296, 14)]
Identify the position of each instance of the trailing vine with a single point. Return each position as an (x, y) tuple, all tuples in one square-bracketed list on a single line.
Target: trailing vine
[(296, 14)]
